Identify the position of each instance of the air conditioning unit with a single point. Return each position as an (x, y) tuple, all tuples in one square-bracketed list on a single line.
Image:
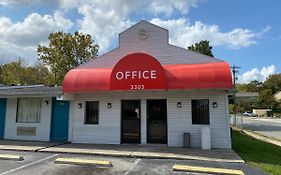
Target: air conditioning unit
[(67, 97)]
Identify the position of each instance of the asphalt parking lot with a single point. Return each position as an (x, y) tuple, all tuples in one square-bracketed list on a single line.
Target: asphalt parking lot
[(43, 164)]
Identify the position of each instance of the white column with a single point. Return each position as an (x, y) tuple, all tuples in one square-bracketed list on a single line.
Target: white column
[(227, 121), (71, 120), (143, 121)]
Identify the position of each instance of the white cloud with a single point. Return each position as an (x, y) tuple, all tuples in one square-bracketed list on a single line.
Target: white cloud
[(263, 31), (169, 6), (69, 4), (183, 33), (18, 3), (256, 74), (166, 7), (104, 19), (21, 38), (105, 26), (102, 26)]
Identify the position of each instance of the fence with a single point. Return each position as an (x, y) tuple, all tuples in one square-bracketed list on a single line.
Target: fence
[(236, 121)]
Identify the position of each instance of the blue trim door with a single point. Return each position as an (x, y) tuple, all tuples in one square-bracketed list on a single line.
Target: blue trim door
[(59, 120), (3, 105)]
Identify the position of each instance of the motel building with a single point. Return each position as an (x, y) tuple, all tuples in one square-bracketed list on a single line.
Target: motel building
[(146, 91)]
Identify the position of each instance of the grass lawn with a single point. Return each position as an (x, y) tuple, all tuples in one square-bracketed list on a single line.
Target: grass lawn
[(257, 153)]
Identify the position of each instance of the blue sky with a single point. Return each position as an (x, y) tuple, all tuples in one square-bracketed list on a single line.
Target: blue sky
[(244, 33)]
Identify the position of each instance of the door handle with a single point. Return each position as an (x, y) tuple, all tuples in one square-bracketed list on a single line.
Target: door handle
[(147, 116)]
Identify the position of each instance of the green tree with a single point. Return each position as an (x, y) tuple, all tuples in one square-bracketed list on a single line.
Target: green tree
[(38, 74), (43, 75), (202, 47), (266, 91), (253, 86), (1, 71), (241, 87), (231, 108), (66, 51), (17, 72), (12, 72), (1, 67), (266, 100), (273, 82)]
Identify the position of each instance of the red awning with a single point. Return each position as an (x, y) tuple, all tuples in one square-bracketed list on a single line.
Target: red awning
[(215, 75)]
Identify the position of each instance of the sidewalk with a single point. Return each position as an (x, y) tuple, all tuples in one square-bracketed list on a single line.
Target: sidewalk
[(14, 145), (125, 150), (156, 152)]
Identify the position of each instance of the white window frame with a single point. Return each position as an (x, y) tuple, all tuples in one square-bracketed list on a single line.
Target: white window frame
[(96, 117), (29, 115)]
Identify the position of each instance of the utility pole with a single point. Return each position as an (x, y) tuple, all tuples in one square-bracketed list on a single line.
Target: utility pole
[(234, 69)]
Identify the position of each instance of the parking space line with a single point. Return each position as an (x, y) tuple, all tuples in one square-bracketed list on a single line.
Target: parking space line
[(133, 166), (30, 164)]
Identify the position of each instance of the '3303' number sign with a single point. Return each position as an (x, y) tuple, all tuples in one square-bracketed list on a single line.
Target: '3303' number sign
[(136, 86)]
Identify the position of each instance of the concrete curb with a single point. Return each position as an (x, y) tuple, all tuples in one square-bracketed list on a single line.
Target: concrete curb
[(198, 169), (11, 157), (271, 138), (84, 162), (135, 154), (262, 137), (11, 147), (258, 136), (19, 148), (181, 157)]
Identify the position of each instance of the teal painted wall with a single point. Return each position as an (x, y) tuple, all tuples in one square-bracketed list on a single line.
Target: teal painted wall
[(3, 106)]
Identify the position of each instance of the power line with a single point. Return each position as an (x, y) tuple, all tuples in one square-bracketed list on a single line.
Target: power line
[(234, 69)]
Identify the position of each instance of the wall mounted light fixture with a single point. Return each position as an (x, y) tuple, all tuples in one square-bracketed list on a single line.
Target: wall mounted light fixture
[(79, 105), (215, 104), (108, 105), (46, 102), (179, 104)]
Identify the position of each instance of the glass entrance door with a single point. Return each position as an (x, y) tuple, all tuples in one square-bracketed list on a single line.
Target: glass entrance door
[(130, 112), (157, 121)]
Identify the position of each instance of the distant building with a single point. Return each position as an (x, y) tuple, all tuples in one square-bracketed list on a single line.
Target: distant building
[(277, 95), (263, 112), (246, 96)]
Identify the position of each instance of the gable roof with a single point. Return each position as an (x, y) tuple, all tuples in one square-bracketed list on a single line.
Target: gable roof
[(156, 44), (183, 69)]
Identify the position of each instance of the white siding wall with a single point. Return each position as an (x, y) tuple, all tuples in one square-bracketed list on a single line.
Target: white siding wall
[(70, 120), (108, 129), (42, 128), (179, 119)]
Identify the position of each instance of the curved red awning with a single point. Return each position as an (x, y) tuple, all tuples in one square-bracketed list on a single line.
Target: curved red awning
[(85, 80), (214, 75)]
